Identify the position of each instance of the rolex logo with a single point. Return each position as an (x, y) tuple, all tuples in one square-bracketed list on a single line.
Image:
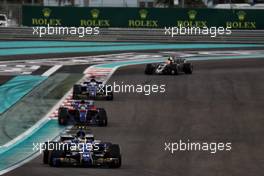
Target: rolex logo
[(95, 13), (192, 14), (143, 14), (241, 15), (46, 12)]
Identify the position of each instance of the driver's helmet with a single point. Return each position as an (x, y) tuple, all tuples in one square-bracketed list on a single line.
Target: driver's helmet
[(80, 134), (75, 140), (82, 102), (92, 80), (170, 60)]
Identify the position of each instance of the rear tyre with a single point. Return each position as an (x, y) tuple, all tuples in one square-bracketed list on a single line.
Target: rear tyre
[(54, 158), (45, 153), (149, 69), (63, 116), (77, 90), (102, 117), (114, 152)]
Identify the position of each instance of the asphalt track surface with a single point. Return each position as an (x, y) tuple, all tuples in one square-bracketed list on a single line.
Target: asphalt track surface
[(221, 102)]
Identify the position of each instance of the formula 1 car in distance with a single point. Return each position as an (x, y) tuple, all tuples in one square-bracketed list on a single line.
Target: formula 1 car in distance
[(92, 90), (173, 66), (81, 150), (82, 112)]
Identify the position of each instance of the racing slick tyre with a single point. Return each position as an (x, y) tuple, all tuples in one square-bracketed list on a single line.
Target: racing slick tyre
[(188, 68), (102, 117), (149, 69), (77, 90), (174, 70), (45, 153), (54, 158), (110, 94), (63, 116), (114, 152)]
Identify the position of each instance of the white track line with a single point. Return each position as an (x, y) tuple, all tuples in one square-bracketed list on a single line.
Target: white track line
[(64, 58), (51, 70)]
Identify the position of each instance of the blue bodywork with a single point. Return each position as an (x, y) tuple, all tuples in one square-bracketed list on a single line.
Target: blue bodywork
[(83, 108), (92, 88), (87, 156)]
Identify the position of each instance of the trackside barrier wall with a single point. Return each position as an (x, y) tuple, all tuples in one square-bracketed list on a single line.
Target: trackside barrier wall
[(141, 18)]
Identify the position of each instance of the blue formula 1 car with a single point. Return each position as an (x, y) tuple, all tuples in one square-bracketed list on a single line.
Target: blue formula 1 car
[(82, 112), (81, 150), (92, 90)]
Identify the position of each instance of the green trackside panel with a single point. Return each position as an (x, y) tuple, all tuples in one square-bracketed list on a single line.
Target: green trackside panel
[(13, 90), (142, 18)]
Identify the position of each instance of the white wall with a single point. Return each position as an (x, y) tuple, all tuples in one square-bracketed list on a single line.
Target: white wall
[(114, 3)]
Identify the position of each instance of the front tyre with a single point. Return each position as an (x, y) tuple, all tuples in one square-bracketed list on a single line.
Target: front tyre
[(114, 152), (174, 70), (110, 94), (102, 117), (188, 68), (149, 69), (63, 116)]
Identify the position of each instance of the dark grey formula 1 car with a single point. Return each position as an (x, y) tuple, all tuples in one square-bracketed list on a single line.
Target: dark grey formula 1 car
[(172, 67)]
